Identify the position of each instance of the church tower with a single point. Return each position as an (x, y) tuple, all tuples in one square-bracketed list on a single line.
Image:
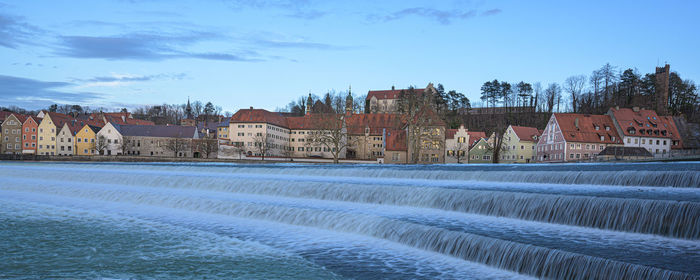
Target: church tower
[(188, 109), (308, 104), (349, 102)]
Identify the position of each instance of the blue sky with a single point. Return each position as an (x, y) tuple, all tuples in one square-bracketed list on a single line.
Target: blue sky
[(264, 53)]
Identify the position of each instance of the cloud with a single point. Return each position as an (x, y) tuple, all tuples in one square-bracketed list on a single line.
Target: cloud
[(296, 45), (441, 16), (31, 93), (143, 46), (15, 32), (491, 12), (124, 79)]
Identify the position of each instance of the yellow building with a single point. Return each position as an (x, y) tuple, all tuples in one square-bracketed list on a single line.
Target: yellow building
[(48, 128), (519, 144), (85, 140)]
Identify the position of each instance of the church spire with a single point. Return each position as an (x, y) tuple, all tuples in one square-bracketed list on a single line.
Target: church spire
[(308, 104), (349, 102), (188, 109)]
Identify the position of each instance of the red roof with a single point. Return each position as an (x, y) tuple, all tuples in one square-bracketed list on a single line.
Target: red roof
[(670, 124), (377, 123), (640, 123), (21, 118), (474, 136), (4, 115), (526, 133), (586, 131), (36, 119), (259, 116), (391, 94), (310, 121), (396, 140)]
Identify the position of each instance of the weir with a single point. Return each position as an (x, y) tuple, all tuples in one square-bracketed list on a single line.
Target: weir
[(339, 208)]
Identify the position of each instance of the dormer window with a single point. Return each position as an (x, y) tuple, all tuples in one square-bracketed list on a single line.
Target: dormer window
[(602, 138), (597, 127), (607, 128)]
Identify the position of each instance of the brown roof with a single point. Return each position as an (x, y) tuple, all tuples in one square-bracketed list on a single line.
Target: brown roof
[(673, 132), (586, 132), (36, 119), (640, 123), (4, 115), (625, 151), (117, 119), (526, 133), (474, 136), (309, 121), (391, 94), (20, 117), (396, 140), (259, 116), (376, 123)]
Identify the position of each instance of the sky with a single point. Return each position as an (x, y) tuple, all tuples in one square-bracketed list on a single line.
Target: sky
[(265, 53)]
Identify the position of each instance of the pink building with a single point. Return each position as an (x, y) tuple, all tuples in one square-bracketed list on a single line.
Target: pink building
[(576, 137)]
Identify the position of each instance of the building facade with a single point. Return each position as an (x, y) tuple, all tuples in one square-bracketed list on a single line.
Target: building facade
[(12, 134), (576, 137), (643, 128), (30, 129), (457, 145), (518, 145)]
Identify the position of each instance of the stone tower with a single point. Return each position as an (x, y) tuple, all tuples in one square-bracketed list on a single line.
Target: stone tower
[(308, 104), (662, 77), (349, 102), (188, 109)]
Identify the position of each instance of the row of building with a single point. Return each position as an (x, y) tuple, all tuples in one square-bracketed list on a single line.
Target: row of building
[(382, 134)]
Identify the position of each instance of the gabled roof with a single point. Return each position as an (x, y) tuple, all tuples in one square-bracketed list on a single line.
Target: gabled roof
[(36, 119), (479, 140), (172, 131), (392, 94), (259, 116), (526, 133), (640, 123), (4, 115), (396, 140), (20, 117), (474, 136), (586, 129), (670, 124), (377, 123)]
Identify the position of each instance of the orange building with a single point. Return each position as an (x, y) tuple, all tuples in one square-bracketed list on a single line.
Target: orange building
[(30, 135)]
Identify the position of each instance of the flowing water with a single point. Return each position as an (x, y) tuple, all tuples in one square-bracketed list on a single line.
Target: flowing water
[(287, 221)]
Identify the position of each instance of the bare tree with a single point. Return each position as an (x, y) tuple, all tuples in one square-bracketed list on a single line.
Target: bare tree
[(331, 133), (263, 144), (124, 143), (101, 144), (207, 147), (176, 145), (459, 150), (574, 86), (288, 152), (551, 95)]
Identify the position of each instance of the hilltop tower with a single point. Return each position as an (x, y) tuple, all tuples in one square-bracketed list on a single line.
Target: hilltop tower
[(662, 77), (349, 102)]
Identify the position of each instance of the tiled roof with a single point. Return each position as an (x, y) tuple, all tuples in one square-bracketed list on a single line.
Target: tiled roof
[(224, 122), (526, 133), (376, 123), (20, 117), (112, 118), (36, 119), (640, 123), (173, 131), (396, 140), (391, 94), (673, 132), (259, 116), (310, 121), (586, 130), (4, 115), (474, 136)]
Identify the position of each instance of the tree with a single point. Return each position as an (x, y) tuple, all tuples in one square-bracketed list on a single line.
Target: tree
[(331, 133), (574, 86), (524, 91), (53, 108), (552, 95), (124, 143), (459, 150), (101, 144), (206, 147), (262, 144), (176, 145)]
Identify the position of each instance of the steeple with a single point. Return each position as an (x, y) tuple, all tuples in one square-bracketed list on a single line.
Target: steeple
[(348, 102), (188, 109), (308, 104)]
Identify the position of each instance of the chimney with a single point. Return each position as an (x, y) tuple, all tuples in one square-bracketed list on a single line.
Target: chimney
[(393, 88), (635, 109), (576, 122), (251, 107)]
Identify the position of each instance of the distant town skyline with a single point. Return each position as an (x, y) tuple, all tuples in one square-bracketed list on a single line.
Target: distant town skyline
[(265, 53)]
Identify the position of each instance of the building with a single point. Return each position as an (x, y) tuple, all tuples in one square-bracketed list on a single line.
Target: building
[(396, 148), (260, 132), (222, 129), (30, 130), (624, 153), (85, 140), (304, 130), (158, 140), (688, 140), (366, 133), (643, 128), (389, 101), (12, 134), (481, 151), (65, 144), (457, 145), (518, 145), (50, 124), (576, 137), (426, 137)]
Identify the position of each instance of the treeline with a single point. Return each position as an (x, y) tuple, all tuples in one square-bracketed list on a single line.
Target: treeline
[(174, 113), (332, 101)]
